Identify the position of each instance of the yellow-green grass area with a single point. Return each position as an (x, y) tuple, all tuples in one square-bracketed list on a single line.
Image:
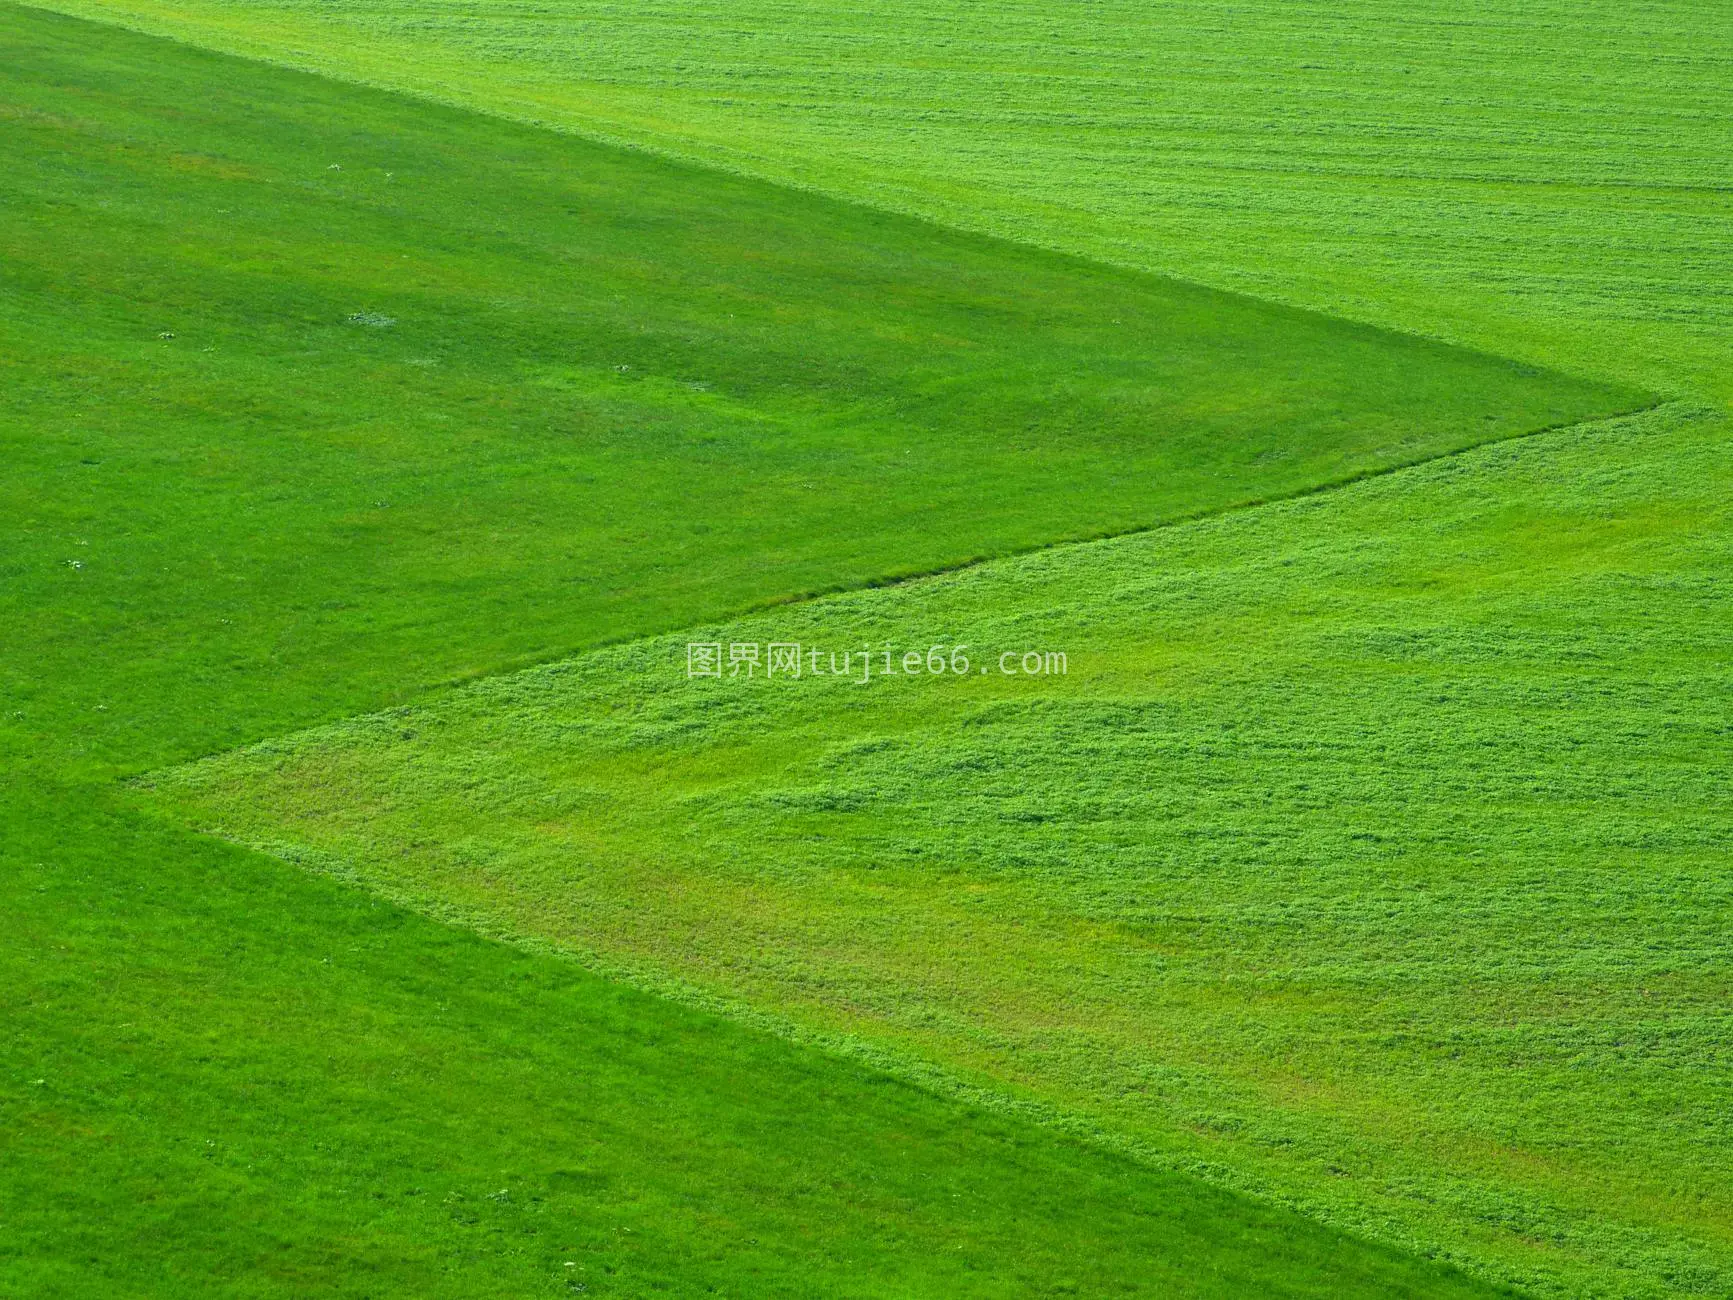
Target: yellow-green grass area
[(1370, 854), (287, 364), (1547, 179)]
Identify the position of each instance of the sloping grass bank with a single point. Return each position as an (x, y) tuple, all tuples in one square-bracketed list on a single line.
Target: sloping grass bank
[(295, 370), (1545, 178)]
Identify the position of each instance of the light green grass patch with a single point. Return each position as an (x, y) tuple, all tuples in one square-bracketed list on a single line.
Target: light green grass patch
[(1371, 853), (1546, 178)]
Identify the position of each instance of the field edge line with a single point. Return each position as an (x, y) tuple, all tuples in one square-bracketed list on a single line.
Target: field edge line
[(678, 158)]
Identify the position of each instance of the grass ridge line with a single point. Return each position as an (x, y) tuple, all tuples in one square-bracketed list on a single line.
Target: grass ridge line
[(682, 159), (1685, 406), (934, 1080), (1365, 1225)]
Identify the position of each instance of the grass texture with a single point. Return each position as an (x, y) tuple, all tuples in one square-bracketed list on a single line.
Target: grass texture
[(1371, 853), (225, 1077), (1369, 857), (1546, 179), (294, 366), (389, 443)]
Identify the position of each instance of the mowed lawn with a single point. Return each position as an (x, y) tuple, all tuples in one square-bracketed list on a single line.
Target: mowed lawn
[(311, 398), (1371, 852), (1546, 178), (291, 367), (227, 1077)]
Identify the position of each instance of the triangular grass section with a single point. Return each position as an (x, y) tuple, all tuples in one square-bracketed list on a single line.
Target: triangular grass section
[(371, 393), (1369, 849)]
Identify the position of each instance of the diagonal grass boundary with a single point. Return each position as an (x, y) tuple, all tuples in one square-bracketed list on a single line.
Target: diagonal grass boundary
[(897, 1062), (1023, 412)]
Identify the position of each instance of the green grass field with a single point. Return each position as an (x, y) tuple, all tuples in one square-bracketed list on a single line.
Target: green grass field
[(1373, 846), (615, 396), (1546, 179), (1353, 907), (254, 1082), (226, 1077)]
